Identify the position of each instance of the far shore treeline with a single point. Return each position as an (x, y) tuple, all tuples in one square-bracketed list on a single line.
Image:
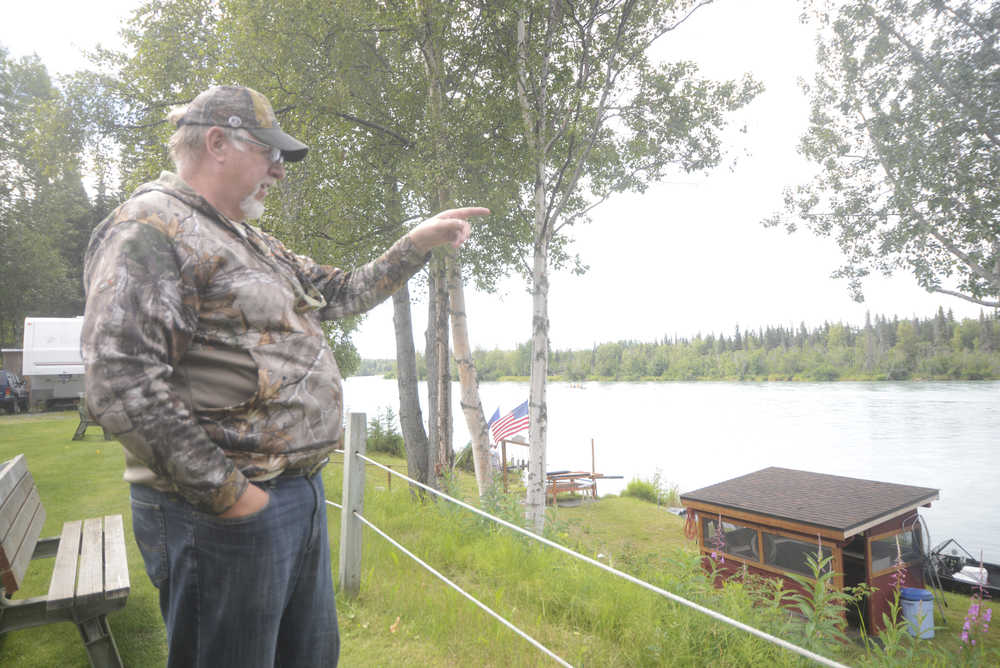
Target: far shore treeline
[(937, 348)]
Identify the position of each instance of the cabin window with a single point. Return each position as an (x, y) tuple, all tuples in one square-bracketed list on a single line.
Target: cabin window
[(884, 552), (789, 554), (739, 541)]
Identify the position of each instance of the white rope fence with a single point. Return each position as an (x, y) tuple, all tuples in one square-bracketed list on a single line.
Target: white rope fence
[(464, 593), (642, 583)]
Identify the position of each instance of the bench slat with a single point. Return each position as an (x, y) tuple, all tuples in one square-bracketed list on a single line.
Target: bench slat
[(15, 485), (11, 506), (11, 472), (62, 587), (20, 546), (90, 582), (116, 583)]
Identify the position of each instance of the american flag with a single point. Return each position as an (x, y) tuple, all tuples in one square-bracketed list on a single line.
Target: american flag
[(510, 424)]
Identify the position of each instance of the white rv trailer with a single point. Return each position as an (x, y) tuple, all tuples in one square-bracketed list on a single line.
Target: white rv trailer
[(52, 361)]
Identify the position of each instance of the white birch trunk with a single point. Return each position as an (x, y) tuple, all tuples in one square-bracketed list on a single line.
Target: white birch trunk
[(533, 113), (472, 406), (431, 51), (538, 413), (430, 357), (445, 449), (410, 419)]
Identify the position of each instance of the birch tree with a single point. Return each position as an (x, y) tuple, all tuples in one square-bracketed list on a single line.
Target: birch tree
[(598, 118), (463, 112), (904, 126)]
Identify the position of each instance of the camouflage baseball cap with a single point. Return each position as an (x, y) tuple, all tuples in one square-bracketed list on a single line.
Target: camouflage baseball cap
[(241, 107)]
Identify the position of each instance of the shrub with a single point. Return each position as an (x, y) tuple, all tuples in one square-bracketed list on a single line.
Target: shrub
[(654, 491), (382, 434)]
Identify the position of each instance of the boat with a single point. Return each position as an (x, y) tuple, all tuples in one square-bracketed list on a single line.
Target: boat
[(958, 571)]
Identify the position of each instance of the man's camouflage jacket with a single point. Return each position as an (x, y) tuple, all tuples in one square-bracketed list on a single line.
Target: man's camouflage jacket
[(203, 345)]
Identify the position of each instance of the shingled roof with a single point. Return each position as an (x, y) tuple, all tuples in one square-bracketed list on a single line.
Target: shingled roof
[(848, 505)]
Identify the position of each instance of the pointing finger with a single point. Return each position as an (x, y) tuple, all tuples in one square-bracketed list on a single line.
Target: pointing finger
[(464, 212)]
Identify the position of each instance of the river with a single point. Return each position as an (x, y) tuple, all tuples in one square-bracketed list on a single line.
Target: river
[(942, 435)]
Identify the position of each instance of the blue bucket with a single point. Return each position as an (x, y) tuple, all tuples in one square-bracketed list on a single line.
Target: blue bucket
[(918, 611)]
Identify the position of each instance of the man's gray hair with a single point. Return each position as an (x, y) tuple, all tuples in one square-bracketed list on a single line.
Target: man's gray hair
[(187, 144)]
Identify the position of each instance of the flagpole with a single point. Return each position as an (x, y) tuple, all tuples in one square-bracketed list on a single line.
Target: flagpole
[(503, 447)]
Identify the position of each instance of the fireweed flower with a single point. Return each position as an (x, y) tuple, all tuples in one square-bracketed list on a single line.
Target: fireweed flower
[(718, 543), (977, 619), (898, 579)]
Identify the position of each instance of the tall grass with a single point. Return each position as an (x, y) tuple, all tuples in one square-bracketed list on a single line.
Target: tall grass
[(584, 615), (404, 616)]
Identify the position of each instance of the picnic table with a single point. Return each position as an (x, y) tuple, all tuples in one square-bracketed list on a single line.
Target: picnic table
[(87, 420), (557, 482)]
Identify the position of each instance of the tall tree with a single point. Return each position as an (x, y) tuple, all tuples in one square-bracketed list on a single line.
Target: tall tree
[(45, 213), (461, 110), (598, 118), (904, 125), (351, 76)]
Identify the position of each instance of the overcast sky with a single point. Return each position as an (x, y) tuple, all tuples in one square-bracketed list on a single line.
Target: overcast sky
[(687, 256)]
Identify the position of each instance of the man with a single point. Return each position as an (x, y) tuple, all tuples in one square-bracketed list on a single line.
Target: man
[(205, 356)]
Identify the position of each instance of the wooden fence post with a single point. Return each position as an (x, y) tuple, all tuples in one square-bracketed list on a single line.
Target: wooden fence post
[(353, 497)]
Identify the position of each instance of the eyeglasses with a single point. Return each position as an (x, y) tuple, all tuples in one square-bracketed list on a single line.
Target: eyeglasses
[(273, 154)]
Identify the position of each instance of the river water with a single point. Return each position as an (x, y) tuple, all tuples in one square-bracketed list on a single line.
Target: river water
[(942, 435)]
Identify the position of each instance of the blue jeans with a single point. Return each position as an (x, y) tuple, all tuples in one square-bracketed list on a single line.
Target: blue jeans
[(253, 591)]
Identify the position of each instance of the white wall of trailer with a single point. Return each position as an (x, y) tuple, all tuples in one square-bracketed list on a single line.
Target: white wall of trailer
[(52, 359)]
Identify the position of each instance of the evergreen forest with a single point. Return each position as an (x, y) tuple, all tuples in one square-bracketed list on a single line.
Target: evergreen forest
[(936, 348)]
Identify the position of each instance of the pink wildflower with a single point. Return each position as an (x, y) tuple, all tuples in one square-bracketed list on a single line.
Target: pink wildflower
[(977, 620), (718, 543), (977, 617), (898, 579)]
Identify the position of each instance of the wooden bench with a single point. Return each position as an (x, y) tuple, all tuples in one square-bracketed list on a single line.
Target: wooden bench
[(86, 420), (90, 577)]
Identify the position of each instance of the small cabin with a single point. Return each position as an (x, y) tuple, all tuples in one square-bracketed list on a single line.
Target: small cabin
[(772, 519)]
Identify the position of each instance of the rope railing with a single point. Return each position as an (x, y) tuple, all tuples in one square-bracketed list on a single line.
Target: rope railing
[(464, 593), (358, 452), (642, 583)]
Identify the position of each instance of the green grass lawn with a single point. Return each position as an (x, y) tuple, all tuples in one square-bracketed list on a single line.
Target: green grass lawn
[(404, 616)]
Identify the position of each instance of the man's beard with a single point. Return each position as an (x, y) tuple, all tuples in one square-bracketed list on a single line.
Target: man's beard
[(252, 207)]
